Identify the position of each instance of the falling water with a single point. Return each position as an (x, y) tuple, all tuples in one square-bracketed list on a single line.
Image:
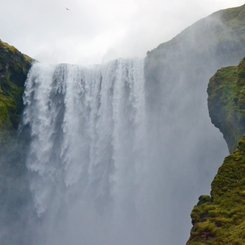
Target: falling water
[(87, 153), (113, 160)]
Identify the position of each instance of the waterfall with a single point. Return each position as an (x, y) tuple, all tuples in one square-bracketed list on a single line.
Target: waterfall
[(87, 152), (114, 159)]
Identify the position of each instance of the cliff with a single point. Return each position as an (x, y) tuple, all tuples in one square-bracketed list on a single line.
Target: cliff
[(14, 190), (226, 102), (14, 67), (177, 74), (195, 54), (220, 217), (217, 39)]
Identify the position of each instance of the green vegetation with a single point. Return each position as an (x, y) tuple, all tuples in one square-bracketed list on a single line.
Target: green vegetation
[(14, 189), (226, 102), (220, 218), (14, 67)]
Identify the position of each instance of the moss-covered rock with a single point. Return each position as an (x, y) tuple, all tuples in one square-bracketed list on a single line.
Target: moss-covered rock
[(226, 102), (14, 190), (220, 218), (14, 67)]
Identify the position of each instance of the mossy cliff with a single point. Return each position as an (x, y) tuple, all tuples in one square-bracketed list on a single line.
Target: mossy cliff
[(226, 102), (14, 191), (14, 67), (220, 218)]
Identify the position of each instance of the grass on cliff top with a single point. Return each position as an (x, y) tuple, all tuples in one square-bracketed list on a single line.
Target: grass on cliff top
[(11, 49), (234, 17)]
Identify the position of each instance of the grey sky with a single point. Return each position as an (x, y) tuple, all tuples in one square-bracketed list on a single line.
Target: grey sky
[(94, 31)]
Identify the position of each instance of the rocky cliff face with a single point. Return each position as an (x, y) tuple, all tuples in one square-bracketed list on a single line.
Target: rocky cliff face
[(217, 40), (220, 217), (226, 102), (14, 67), (177, 75), (14, 191), (195, 54)]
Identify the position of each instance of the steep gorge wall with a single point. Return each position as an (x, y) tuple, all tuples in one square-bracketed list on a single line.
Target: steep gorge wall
[(226, 102), (14, 67), (220, 217), (177, 75), (14, 192)]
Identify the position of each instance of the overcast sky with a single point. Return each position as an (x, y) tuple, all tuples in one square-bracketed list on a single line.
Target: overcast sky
[(93, 31)]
